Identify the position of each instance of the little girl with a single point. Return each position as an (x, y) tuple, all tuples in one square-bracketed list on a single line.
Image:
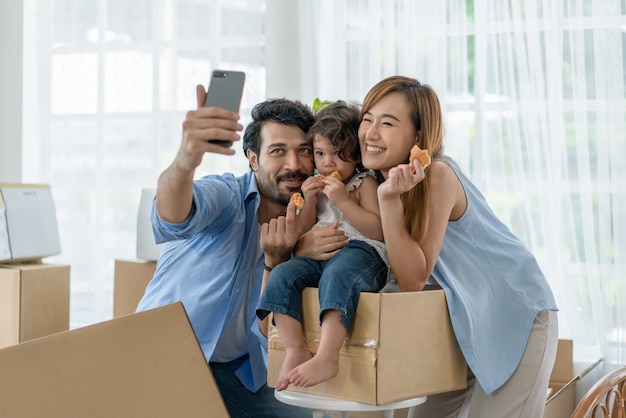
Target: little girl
[(360, 266)]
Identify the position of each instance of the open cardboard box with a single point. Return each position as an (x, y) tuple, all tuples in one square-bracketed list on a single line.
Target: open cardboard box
[(28, 223), (34, 301), (148, 364), (130, 281), (400, 346)]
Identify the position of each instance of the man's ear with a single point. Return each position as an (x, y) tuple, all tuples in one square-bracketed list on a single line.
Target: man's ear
[(254, 160)]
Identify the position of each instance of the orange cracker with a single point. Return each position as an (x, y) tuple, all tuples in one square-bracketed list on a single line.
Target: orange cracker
[(336, 174), (421, 155), (298, 200)]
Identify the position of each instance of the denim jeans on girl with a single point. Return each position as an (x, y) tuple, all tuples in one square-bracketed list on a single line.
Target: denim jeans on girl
[(356, 268)]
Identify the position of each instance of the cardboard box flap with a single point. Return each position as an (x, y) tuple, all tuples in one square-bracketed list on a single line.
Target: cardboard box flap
[(142, 365)]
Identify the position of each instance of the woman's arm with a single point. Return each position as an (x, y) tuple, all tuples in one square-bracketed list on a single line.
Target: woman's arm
[(412, 262)]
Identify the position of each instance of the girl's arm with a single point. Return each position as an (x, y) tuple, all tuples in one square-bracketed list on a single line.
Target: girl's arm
[(308, 214), (412, 262), (361, 209)]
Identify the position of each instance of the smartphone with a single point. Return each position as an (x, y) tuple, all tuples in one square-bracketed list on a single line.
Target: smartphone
[(225, 91)]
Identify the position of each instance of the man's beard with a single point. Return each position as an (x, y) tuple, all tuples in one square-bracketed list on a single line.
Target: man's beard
[(271, 190)]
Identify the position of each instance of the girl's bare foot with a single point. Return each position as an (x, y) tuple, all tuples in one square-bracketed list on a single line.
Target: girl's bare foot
[(314, 371), (293, 357)]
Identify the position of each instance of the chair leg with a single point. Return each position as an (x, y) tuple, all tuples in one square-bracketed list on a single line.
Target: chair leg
[(411, 413), (388, 413), (318, 413)]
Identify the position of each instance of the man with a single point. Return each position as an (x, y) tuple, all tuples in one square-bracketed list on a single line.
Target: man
[(213, 261)]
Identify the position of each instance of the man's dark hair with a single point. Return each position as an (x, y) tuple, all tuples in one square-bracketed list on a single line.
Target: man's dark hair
[(339, 123), (283, 111)]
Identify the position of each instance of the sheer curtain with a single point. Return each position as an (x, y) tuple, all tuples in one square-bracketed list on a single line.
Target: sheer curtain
[(535, 111), (107, 85)]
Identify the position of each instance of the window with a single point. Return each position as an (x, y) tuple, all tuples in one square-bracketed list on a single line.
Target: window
[(112, 81)]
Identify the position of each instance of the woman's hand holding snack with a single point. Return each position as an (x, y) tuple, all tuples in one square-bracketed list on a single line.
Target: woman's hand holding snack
[(401, 179)]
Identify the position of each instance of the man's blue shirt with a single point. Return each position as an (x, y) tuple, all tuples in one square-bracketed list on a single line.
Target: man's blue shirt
[(212, 263)]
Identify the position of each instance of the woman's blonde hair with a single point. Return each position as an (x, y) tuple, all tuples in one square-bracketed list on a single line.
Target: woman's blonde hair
[(425, 113)]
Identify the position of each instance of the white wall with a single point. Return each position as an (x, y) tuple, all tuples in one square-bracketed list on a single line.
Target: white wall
[(11, 42)]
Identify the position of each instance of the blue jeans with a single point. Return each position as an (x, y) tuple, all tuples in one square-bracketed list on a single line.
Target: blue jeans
[(356, 268), (241, 403)]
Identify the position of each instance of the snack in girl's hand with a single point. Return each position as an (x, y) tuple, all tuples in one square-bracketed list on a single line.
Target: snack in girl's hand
[(336, 174), (419, 154), (298, 200)]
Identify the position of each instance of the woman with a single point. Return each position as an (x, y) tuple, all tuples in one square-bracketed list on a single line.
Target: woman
[(438, 227)]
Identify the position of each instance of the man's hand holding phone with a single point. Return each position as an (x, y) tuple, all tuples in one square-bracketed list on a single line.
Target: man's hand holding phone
[(201, 127), (214, 125), (174, 197)]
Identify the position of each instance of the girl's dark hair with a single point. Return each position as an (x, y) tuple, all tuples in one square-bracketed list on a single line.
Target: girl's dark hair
[(339, 123), (283, 111)]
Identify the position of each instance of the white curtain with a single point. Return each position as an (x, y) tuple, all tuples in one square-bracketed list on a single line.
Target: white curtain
[(107, 85), (535, 111)]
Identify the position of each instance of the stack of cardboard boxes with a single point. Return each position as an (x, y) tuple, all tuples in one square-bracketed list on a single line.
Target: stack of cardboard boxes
[(34, 296)]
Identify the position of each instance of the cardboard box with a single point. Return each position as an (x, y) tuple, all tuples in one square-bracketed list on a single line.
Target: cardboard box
[(144, 365), (131, 279), (401, 345), (34, 301), (147, 248), (560, 402), (28, 223)]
